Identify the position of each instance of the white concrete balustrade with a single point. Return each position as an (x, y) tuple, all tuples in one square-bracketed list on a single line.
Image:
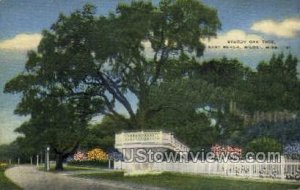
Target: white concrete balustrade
[(148, 139)]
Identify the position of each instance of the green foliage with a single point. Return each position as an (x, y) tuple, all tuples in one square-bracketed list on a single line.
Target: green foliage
[(6, 152), (277, 84), (224, 72), (285, 132), (3, 166), (104, 58), (274, 87), (175, 107), (103, 134), (89, 163), (16, 150), (230, 78), (263, 144), (58, 115)]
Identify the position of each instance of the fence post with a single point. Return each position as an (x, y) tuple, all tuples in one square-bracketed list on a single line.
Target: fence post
[(282, 166), (41, 157), (250, 169), (37, 160)]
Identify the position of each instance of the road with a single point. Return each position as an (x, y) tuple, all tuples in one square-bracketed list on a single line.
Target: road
[(29, 178)]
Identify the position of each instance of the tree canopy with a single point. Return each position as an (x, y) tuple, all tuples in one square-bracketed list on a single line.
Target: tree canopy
[(85, 64)]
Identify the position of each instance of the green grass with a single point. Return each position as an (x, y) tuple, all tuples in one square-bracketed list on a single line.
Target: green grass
[(188, 182), (76, 168), (67, 168), (5, 183)]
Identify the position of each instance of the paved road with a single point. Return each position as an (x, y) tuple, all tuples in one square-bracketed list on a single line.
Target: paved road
[(29, 178)]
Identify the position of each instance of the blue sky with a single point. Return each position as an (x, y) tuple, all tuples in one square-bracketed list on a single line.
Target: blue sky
[(21, 23)]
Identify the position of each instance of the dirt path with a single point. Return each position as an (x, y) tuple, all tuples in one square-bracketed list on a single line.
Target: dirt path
[(29, 178)]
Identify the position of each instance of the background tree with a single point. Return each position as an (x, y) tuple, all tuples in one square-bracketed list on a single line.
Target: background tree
[(11, 151), (102, 135), (285, 132), (55, 123), (178, 106), (231, 77), (277, 84), (57, 119)]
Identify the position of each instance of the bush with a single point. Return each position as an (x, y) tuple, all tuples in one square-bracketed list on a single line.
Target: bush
[(292, 150), (89, 163), (226, 150), (263, 144), (3, 166), (97, 154), (79, 156)]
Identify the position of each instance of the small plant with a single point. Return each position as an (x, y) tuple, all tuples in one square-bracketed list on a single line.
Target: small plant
[(80, 156), (292, 150), (97, 154), (3, 165), (226, 150), (263, 144), (94, 158)]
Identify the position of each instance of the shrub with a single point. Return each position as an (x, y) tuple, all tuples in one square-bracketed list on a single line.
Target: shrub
[(292, 150), (79, 156), (3, 165), (89, 163), (226, 150), (95, 158), (97, 154), (263, 144)]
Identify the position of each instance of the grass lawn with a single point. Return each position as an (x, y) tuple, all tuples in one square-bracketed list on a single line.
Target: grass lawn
[(5, 183), (66, 168), (186, 182)]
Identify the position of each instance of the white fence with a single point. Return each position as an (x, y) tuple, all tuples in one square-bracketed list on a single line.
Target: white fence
[(284, 170)]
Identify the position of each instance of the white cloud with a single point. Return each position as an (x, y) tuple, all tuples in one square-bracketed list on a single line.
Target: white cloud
[(287, 28), (234, 37), (21, 42)]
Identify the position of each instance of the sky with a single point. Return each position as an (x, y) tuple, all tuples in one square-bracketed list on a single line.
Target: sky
[(21, 23)]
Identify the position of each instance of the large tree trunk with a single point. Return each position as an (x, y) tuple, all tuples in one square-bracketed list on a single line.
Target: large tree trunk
[(59, 162), (63, 154), (143, 106)]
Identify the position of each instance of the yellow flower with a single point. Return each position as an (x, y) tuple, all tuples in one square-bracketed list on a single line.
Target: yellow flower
[(97, 154)]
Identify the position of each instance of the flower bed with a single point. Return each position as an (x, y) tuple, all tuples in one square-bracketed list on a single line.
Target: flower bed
[(93, 158), (219, 150)]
